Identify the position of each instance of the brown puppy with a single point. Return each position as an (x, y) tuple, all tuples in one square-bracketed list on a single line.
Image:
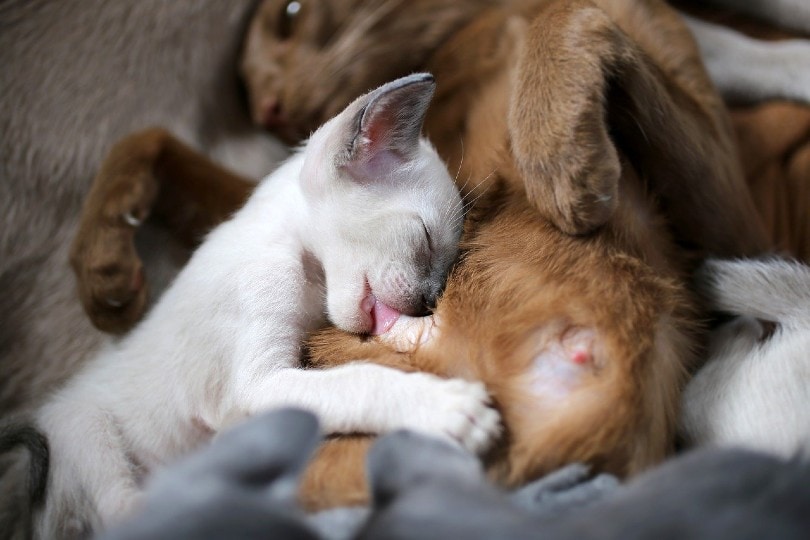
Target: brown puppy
[(583, 341)]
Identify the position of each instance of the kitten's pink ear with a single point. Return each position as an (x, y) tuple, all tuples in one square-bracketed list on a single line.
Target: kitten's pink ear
[(386, 129)]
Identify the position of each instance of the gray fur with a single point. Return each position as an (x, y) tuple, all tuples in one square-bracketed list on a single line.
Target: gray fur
[(78, 75), (748, 70), (22, 480), (26, 436)]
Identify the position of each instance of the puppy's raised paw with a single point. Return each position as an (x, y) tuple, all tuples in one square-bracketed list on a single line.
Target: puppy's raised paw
[(109, 276), (109, 273)]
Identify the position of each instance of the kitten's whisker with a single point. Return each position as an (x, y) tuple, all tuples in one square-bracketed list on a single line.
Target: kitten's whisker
[(467, 181), (487, 177), (451, 208), (461, 161), (458, 208), (469, 204)]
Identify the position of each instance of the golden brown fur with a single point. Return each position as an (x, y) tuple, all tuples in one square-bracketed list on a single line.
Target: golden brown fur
[(549, 110)]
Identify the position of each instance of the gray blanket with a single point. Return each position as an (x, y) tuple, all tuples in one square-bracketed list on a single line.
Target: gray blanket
[(243, 486)]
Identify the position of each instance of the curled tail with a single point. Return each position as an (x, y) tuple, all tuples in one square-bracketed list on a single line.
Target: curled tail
[(774, 290), (28, 437)]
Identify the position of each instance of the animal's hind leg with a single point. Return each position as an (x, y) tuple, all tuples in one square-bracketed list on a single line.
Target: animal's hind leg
[(593, 79), (561, 145), (145, 172)]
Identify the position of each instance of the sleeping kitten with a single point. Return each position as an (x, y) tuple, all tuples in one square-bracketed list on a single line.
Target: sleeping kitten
[(364, 222), (754, 391)]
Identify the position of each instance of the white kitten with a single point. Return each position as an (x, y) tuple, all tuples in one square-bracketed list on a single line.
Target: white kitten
[(366, 220), (753, 391)]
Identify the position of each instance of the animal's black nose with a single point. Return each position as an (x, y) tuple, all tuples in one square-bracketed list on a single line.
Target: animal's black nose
[(429, 301)]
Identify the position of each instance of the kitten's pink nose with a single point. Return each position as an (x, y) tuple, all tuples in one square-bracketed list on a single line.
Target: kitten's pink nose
[(272, 115)]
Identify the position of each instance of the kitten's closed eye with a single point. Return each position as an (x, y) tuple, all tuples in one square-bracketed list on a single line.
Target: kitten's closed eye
[(429, 242)]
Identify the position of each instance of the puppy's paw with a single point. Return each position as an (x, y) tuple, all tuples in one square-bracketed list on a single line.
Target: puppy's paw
[(460, 411), (109, 273)]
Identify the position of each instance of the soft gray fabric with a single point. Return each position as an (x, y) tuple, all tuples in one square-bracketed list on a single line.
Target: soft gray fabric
[(242, 486), (708, 494)]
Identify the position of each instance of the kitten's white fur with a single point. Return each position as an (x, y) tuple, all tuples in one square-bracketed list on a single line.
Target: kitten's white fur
[(751, 70), (348, 216), (754, 392)]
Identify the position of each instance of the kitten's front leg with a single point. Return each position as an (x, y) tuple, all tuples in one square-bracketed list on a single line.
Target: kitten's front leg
[(370, 398)]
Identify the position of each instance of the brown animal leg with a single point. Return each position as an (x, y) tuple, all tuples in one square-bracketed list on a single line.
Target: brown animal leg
[(149, 170), (584, 89), (571, 170), (336, 476)]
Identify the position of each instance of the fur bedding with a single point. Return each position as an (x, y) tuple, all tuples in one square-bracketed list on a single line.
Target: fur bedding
[(425, 489)]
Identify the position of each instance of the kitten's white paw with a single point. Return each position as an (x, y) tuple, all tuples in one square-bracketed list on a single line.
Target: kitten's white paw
[(459, 411)]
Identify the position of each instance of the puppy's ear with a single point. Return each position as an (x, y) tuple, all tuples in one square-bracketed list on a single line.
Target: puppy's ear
[(384, 125), (585, 91)]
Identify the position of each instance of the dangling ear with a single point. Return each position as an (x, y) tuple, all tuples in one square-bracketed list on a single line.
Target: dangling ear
[(385, 131)]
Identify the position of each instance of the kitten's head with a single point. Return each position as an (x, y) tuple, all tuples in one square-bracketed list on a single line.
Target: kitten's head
[(386, 215), (305, 60)]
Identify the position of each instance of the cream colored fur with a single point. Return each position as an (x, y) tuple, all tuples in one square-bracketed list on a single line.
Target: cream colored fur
[(755, 389), (751, 70)]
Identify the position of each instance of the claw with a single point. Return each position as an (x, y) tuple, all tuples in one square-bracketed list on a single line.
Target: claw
[(131, 220)]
